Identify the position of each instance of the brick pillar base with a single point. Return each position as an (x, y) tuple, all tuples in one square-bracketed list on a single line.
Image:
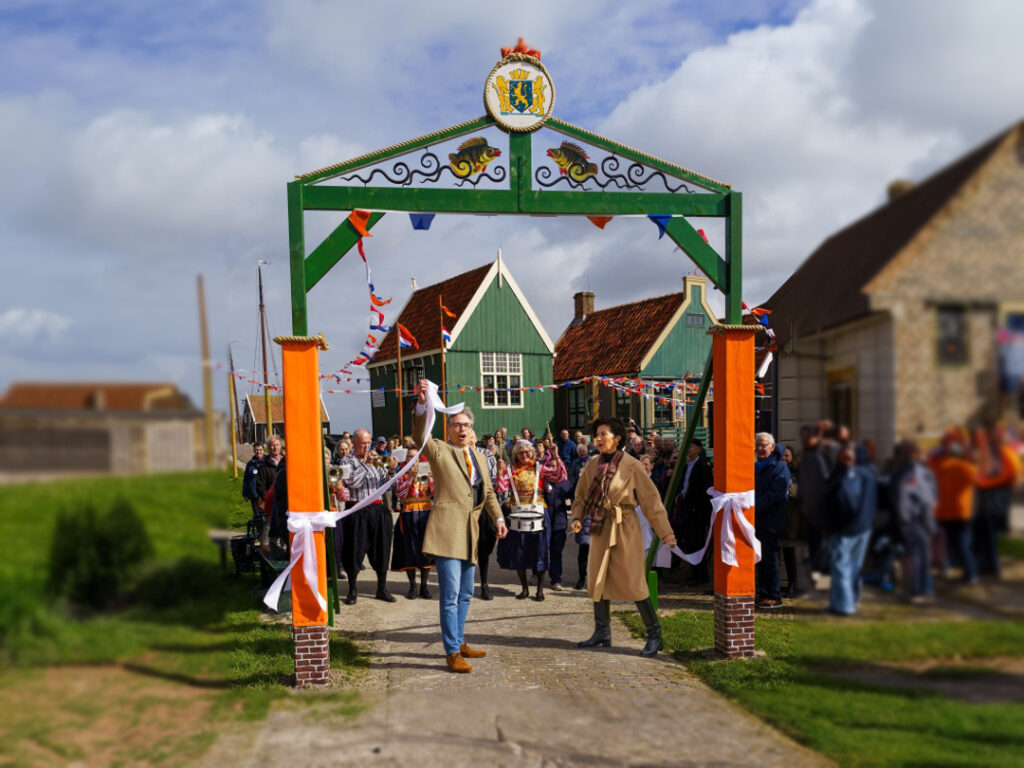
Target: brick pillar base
[(312, 656), (734, 625)]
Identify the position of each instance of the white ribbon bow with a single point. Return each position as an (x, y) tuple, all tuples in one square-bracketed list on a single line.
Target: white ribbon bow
[(732, 506), (305, 524)]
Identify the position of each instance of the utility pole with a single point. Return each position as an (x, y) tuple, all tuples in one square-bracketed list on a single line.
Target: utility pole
[(207, 374), (263, 344)]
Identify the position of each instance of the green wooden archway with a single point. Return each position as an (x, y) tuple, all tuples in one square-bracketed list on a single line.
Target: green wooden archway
[(316, 191)]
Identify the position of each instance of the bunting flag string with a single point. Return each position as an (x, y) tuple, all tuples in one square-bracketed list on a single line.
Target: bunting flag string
[(662, 220), (421, 220), (600, 221)]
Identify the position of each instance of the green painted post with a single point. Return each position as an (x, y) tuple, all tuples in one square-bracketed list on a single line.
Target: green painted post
[(297, 258), (520, 166), (734, 259), (677, 476)]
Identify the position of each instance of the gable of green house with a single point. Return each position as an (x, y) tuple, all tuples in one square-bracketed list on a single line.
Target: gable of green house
[(683, 348), (497, 320), (500, 323)]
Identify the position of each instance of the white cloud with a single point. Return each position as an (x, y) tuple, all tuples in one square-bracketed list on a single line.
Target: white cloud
[(22, 327), (780, 113)]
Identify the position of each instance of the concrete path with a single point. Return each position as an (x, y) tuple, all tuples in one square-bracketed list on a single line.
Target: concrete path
[(535, 700)]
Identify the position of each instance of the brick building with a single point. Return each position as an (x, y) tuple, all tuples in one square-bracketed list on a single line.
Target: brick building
[(901, 323)]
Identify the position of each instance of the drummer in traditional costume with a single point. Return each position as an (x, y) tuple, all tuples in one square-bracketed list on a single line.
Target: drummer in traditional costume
[(526, 545), (415, 491), (610, 488)]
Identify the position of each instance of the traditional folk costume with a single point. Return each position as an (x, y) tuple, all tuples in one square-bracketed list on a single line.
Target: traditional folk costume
[(610, 488), (488, 530), (416, 495), (366, 532), (519, 550)]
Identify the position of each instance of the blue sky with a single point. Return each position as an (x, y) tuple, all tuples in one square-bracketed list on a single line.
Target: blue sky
[(143, 143)]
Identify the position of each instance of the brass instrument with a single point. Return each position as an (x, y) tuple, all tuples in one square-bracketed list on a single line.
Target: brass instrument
[(333, 475)]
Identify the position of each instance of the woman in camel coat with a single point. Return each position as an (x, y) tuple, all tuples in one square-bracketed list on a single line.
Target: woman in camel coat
[(611, 486)]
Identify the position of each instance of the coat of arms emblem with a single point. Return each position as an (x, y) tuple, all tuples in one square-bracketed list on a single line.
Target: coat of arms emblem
[(519, 93)]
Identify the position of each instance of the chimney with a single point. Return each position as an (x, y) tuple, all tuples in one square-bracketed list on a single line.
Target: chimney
[(583, 303), (414, 286), (899, 187)]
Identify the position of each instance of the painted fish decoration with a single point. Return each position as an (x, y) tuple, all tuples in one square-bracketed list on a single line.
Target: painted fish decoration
[(472, 156), (572, 161)]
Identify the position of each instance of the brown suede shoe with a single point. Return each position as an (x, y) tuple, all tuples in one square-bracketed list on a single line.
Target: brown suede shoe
[(471, 653), (456, 663)]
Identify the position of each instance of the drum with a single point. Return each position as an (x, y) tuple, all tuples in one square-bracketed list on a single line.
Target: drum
[(527, 518)]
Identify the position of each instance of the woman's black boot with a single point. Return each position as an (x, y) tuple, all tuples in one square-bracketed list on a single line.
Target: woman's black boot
[(602, 627), (650, 617)]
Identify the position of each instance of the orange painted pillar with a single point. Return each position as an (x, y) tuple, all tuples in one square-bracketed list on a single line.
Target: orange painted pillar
[(733, 364), (305, 468)]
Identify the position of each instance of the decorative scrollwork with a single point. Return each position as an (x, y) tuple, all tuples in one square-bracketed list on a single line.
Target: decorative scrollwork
[(577, 175), (430, 171)]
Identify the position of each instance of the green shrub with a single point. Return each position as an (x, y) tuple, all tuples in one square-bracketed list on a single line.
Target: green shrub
[(93, 555)]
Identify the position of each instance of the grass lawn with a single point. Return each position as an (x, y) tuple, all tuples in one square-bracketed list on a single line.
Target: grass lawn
[(1012, 546), (873, 693), (187, 653)]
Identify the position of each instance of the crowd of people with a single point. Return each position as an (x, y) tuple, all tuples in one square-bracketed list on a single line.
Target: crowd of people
[(829, 509), (825, 508)]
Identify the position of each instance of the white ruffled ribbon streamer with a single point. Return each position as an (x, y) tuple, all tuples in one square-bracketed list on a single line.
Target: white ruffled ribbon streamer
[(305, 524), (731, 505)]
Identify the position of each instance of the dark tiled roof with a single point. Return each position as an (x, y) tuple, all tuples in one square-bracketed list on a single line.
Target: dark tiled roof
[(422, 315), (613, 341), (96, 396), (827, 289), (259, 410)]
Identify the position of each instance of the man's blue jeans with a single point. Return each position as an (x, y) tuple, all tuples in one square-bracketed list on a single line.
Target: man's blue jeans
[(847, 555), (455, 580)]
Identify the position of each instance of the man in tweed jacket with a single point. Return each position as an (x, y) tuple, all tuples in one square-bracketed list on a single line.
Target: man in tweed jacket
[(462, 487)]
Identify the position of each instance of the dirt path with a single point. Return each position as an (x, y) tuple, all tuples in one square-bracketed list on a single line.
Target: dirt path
[(535, 700)]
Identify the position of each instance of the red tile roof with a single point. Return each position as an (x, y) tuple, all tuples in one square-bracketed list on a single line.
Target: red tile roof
[(259, 411), (613, 341), (827, 289), (95, 396), (422, 315)]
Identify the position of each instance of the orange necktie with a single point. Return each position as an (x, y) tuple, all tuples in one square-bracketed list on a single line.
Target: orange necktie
[(469, 466)]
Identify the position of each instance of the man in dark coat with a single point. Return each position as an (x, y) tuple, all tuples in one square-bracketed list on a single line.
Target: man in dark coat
[(556, 497), (771, 493), (566, 448), (250, 476), (814, 472), (691, 513)]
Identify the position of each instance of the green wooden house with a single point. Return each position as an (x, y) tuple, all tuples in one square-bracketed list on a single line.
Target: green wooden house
[(662, 339), (497, 352)]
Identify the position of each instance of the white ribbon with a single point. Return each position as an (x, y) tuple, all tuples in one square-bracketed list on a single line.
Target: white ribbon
[(731, 506), (305, 524)]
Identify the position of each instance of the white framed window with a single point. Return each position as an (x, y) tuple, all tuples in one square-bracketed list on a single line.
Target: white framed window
[(501, 377)]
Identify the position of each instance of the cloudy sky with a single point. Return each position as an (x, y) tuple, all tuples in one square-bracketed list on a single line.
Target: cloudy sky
[(144, 143)]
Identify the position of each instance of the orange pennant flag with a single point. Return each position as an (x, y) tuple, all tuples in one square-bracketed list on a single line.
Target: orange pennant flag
[(359, 219), (599, 221), (447, 311)]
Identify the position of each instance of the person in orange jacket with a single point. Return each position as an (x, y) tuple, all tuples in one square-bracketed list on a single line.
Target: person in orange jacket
[(955, 475), (998, 467)]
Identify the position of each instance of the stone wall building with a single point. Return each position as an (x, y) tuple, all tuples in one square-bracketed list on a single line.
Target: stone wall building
[(67, 428), (902, 323)]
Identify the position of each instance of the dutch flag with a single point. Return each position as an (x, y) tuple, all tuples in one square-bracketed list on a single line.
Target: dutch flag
[(445, 336)]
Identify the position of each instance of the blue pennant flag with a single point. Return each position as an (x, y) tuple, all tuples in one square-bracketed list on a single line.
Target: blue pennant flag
[(421, 220), (661, 219)]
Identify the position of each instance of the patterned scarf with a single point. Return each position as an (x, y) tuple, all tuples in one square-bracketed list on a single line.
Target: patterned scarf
[(593, 507)]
